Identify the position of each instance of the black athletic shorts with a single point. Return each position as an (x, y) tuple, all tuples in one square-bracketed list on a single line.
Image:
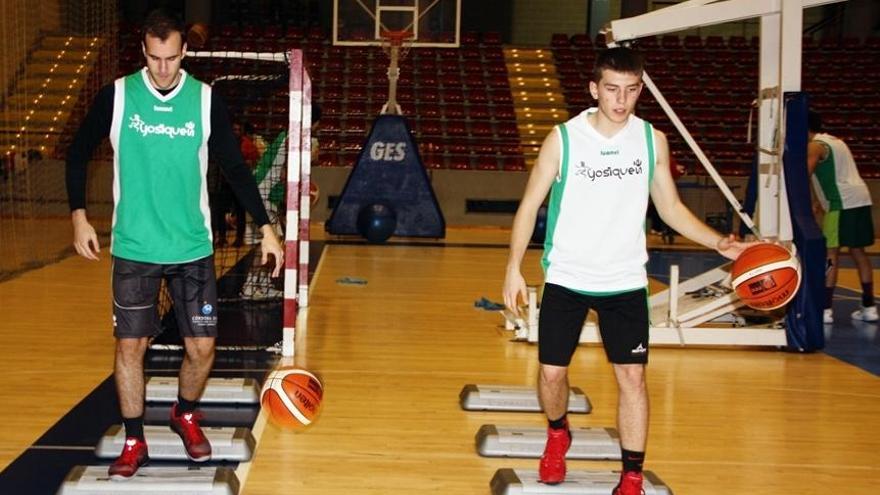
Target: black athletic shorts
[(193, 290), (623, 324)]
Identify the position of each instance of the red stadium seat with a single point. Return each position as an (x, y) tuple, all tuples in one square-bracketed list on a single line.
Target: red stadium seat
[(460, 162), (670, 42), (559, 40), (470, 38), (489, 162), (454, 111), (581, 41), (491, 38), (478, 95), (481, 129), (513, 163), (456, 128), (479, 112)]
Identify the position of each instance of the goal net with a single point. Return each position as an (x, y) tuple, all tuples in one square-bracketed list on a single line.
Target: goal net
[(268, 96)]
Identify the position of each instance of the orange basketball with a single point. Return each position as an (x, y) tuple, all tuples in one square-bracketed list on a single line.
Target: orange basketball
[(197, 36), (766, 276), (292, 397)]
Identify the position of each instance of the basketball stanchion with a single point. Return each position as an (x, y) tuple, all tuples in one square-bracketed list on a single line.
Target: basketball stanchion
[(703, 310)]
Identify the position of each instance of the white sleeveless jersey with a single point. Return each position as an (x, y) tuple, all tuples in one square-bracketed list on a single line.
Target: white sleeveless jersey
[(836, 179), (595, 240)]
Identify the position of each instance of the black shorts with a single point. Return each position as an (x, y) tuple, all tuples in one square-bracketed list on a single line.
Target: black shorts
[(193, 290), (623, 324)]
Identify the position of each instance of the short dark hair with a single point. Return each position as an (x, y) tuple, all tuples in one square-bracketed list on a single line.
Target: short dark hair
[(814, 121), (161, 23), (619, 59)]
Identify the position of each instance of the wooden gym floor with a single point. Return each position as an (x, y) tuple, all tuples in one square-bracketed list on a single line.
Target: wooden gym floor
[(394, 353)]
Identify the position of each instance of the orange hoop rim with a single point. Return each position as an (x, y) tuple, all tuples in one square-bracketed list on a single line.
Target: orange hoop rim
[(397, 38)]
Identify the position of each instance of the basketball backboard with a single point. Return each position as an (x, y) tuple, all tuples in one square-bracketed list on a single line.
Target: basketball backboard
[(433, 23)]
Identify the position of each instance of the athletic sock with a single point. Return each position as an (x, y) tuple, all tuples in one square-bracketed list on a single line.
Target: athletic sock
[(134, 427), (558, 424), (868, 294), (829, 295), (185, 406), (632, 461)]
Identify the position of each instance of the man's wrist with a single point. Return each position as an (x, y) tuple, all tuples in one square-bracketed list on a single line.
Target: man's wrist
[(78, 215)]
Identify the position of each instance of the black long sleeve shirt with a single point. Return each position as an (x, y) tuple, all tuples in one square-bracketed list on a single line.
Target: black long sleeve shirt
[(223, 146)]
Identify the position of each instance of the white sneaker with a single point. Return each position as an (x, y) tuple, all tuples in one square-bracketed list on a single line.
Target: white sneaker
[(828, 316), (866, 314)]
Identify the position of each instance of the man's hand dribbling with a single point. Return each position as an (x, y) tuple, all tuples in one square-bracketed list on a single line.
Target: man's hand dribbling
[(730, 248), (85, 240), (271, 245), (514, 288)]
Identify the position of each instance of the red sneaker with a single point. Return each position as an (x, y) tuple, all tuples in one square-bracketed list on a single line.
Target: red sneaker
[(198, 449), (552, 468), (630, 484), (134, 455)]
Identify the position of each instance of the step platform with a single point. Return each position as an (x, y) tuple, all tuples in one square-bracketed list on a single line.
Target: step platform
[(215, 414), (528, 442), (525, 482), (515, 398), (227, 444), (217, 390), (209, 480)]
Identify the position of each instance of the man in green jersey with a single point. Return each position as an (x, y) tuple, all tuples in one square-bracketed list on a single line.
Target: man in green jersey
[(847, 222), (162, 124)]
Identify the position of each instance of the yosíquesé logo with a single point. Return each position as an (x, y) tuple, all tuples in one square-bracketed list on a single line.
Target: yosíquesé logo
[(145, 129), (619, 172)]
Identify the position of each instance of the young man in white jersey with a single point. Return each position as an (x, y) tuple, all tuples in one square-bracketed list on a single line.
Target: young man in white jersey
[(847, 222), (600, 168), (162, 124)]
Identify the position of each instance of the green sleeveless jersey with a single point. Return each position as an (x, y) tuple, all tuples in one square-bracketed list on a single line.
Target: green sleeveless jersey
[(160, 161)]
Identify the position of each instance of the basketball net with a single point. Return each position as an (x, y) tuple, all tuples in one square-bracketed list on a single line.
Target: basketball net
[(395, 44)]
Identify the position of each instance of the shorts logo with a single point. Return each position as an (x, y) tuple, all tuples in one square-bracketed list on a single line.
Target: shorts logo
[(640, 349), (207, 309)]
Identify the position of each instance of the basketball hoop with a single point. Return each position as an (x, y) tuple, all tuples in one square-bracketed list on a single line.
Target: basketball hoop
[(396, 45), (401, 40)]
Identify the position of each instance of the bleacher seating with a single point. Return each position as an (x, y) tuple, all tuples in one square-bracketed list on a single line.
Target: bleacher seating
[(711, 83), (461, 110)]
